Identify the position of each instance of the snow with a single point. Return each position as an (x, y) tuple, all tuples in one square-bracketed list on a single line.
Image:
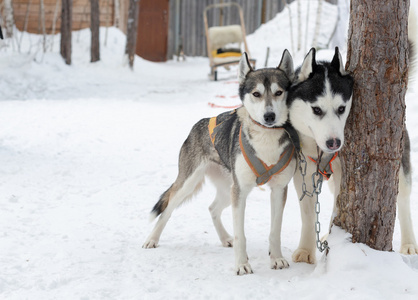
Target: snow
[(288, 35), (87, 149)]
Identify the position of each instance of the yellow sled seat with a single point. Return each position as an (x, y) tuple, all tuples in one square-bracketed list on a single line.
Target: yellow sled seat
[(218, 39)]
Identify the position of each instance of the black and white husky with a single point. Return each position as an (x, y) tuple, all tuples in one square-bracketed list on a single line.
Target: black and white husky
[(319, 102), (239, 150)]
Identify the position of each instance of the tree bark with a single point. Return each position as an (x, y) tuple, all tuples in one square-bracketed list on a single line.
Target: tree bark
[(42, 23), (378, 59), (132, 31), (116, 14), (9, 19), (95, 30), (299, 25), (66, 24), (317, 24)]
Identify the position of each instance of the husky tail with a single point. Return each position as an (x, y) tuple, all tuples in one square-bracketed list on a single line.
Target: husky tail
[(192, 167), (193, 160), (180, 191), (162, 203)]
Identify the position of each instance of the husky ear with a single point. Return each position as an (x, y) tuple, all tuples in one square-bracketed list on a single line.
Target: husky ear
[(308, 65), (244, 68), (286, 65), (337, 62)]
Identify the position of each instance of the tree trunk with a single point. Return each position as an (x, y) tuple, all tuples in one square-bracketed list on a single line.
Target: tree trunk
[(66, 23), (116, 14), (299, 25), (317, 24), (42, 23), (9, 20), (378, 59), (54, 23), (95, 30), (132, 31)]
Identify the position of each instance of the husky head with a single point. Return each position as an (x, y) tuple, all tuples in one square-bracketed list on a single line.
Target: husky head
[(264, 91), (319, 101)]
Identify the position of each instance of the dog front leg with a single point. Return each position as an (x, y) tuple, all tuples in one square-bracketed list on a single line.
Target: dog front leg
[(278, 201), (334, 184), (307, 249), (238, 197)]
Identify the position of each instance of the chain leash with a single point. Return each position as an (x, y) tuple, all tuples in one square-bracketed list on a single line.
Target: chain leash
[(317, 180), (302, 168)]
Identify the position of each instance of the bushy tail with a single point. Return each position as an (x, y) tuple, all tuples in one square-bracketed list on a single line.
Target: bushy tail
[(161, 205)]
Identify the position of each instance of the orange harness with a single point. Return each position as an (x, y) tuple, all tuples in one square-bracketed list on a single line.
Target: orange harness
[(325, 164), (261, 170)]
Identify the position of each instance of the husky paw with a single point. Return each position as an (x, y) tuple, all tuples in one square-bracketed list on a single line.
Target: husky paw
[(244, 269), (150, 244), (278, 263), (303, 255), (228, 241), (409, 249)]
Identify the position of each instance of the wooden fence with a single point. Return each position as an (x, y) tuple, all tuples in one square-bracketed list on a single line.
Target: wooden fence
[(27, 13), (186, 29)]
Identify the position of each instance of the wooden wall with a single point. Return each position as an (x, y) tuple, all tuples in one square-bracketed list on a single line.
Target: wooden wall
[(81, 14), (186, 30)]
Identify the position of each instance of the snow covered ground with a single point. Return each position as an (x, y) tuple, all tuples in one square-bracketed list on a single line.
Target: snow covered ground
[(87, 149)]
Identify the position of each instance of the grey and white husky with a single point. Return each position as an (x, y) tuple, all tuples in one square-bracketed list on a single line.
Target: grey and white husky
[(319, 102), (239, 150)]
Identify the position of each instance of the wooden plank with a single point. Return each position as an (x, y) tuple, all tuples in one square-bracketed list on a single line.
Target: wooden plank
[(81, 13)]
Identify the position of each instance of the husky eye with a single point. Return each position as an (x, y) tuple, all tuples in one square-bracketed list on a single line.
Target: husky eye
[(278, 93), (341, 110), (317, 111), (257, 94)]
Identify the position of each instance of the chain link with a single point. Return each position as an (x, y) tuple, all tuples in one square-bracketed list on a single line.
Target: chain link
[(317, 180), (317, 187), (303, 164)]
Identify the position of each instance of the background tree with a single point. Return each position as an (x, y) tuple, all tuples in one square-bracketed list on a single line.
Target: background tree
[(9, 20), (378, 59), (95, 30), (132, 31), (66, 25), (41, 23)]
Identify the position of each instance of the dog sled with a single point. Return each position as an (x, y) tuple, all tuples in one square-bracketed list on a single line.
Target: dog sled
[(220, 38)]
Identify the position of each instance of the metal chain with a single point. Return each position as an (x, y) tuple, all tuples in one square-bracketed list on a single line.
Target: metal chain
[(302, 167), (317, 180), (317, 187)]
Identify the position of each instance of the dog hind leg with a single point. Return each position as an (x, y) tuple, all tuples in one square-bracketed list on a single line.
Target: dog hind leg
[(181, 190)]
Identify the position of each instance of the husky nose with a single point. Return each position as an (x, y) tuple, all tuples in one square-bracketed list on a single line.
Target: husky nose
[(270, 117), (333, 144)]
